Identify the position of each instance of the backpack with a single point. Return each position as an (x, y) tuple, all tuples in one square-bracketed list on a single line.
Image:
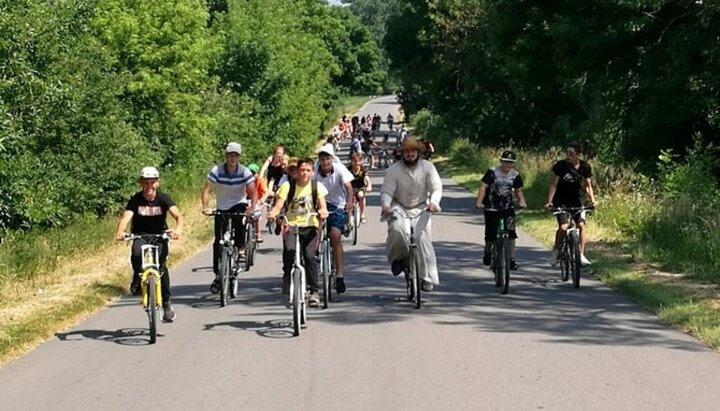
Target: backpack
[(313, 187)]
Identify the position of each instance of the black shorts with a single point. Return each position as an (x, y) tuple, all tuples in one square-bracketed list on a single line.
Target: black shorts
[(492, 218), (563, 218)]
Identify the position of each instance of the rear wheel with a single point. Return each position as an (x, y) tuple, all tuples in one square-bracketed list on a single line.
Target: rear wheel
[(325, 270), (249, 246), (296, 300), (563, 262), (225, 267), (151, 308)]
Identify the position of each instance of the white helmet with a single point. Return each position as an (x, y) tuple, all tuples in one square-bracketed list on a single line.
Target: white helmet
[(233, 148), (149, 172)]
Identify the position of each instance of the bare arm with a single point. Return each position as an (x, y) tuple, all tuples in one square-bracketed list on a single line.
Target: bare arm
[(205, 197), (368, 184), (481, 194), (263, 169), (179, 221), (252, 192), (123, 224), (350, 196), (551, 191), (521, 197), (589, 190)]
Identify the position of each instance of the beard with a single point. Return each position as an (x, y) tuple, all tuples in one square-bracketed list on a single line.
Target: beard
[(411, 163)]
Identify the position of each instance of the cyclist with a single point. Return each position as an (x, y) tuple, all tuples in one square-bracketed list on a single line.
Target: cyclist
[(274, 168), (299, 205), (368, 147), (337, 179), (390, 121), (413, 185), (262, 193), (571, 183), (496, 191), (146, 212), (232, 183), (361, 183)]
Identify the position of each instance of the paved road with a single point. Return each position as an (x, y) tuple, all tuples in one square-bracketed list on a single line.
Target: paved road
[(543, 346)]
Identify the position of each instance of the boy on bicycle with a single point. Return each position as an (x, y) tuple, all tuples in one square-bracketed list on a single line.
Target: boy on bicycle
[(571, 183), (361, 182), (496, 193), (299, 205), (233, 184), (146, 212)]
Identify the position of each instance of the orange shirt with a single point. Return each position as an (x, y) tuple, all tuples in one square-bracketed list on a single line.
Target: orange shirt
[(260, 186)]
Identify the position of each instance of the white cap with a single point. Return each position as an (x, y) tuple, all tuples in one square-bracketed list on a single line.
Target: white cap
[(149, 172), (327, 148), (233, 148)]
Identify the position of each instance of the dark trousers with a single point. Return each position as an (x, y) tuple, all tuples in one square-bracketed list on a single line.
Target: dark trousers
[(492, 219), (308, 253), (136, 261), (238, 225)]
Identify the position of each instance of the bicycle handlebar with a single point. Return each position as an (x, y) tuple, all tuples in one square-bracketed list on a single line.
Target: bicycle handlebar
[(129, 237), (571, 210)]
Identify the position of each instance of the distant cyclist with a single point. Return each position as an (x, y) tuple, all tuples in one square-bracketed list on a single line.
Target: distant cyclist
[(361, 182), (146, 213), (570, 185), (233, 183), (390, 121), (262, 194), (273, 168), (496, 192)]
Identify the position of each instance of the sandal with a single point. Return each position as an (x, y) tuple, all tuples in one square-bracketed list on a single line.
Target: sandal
[(363, 220)]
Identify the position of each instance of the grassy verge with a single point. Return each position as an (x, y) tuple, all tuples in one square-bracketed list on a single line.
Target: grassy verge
[(619, 260), (52, 280)]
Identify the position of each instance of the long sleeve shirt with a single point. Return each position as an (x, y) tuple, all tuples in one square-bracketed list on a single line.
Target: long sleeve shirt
[(411, 188)]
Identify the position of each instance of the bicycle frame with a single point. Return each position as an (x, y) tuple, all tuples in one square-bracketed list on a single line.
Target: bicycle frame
[(412, 270), (569, 253), (500, 252)]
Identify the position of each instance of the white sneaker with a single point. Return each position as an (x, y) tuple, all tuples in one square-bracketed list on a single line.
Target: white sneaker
[(584, 261), (554, 257)]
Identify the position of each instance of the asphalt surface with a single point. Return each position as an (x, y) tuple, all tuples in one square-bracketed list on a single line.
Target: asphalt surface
[(543, 346)]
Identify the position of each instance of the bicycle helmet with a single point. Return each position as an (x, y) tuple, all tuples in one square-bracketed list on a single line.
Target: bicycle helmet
[(233, 148), (254, 168), (149, 172), (508, 156)]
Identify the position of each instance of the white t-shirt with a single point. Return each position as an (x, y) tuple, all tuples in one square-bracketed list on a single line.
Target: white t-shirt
[(335, 183)]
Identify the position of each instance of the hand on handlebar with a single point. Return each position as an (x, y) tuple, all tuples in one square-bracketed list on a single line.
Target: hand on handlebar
[(433, 208)]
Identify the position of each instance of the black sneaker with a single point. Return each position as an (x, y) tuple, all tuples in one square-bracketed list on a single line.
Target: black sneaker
[(135, 285), (215, 286), (168, 313), (340, 285), (278, 228), (397, 267), (286, 289), (513, 264), (487, 258)]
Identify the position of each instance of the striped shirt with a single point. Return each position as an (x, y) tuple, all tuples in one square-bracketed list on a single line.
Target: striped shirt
[(230, 187)]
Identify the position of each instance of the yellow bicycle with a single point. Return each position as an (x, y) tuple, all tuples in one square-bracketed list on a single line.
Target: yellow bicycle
[(150, 286)]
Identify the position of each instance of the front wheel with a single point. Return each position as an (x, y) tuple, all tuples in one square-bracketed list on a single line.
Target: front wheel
[(506, 268), (356, 224), (151, 308), (499, 265), (416, 280), (575, 265), (225, 267), (326, 270), (296, 300)]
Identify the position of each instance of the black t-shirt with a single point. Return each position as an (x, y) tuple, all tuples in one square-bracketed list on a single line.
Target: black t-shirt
[(149, 216), (358, 181), (500, 188), (571, 183), (274, 175)]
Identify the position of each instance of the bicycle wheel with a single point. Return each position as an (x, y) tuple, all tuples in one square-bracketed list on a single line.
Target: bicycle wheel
[(563, 262), (499, 265), (225, 267), (296, 300), (416, 281), (325, 270), (249, 245), (575, 266), (356, 223), (151, 307), (506, 267)]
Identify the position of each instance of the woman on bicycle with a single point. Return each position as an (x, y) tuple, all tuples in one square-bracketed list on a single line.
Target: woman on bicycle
[(361, 182), (571, 183), (495, 197), (274, 166)]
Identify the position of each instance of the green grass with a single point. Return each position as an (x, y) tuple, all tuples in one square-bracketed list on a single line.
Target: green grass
[(633, 236)]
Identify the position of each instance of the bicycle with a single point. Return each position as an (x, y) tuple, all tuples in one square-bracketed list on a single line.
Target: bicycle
[(384, 158), (569, 254), (251, 238), (499, 251), (298, 283), (150, 285), (229, 258), (354, 222), (414, 260)]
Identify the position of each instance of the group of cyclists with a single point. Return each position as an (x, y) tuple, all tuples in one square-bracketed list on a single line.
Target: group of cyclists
[(328, 189)]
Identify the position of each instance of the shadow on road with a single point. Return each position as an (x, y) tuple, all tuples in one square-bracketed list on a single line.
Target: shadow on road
[(125, 336)]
